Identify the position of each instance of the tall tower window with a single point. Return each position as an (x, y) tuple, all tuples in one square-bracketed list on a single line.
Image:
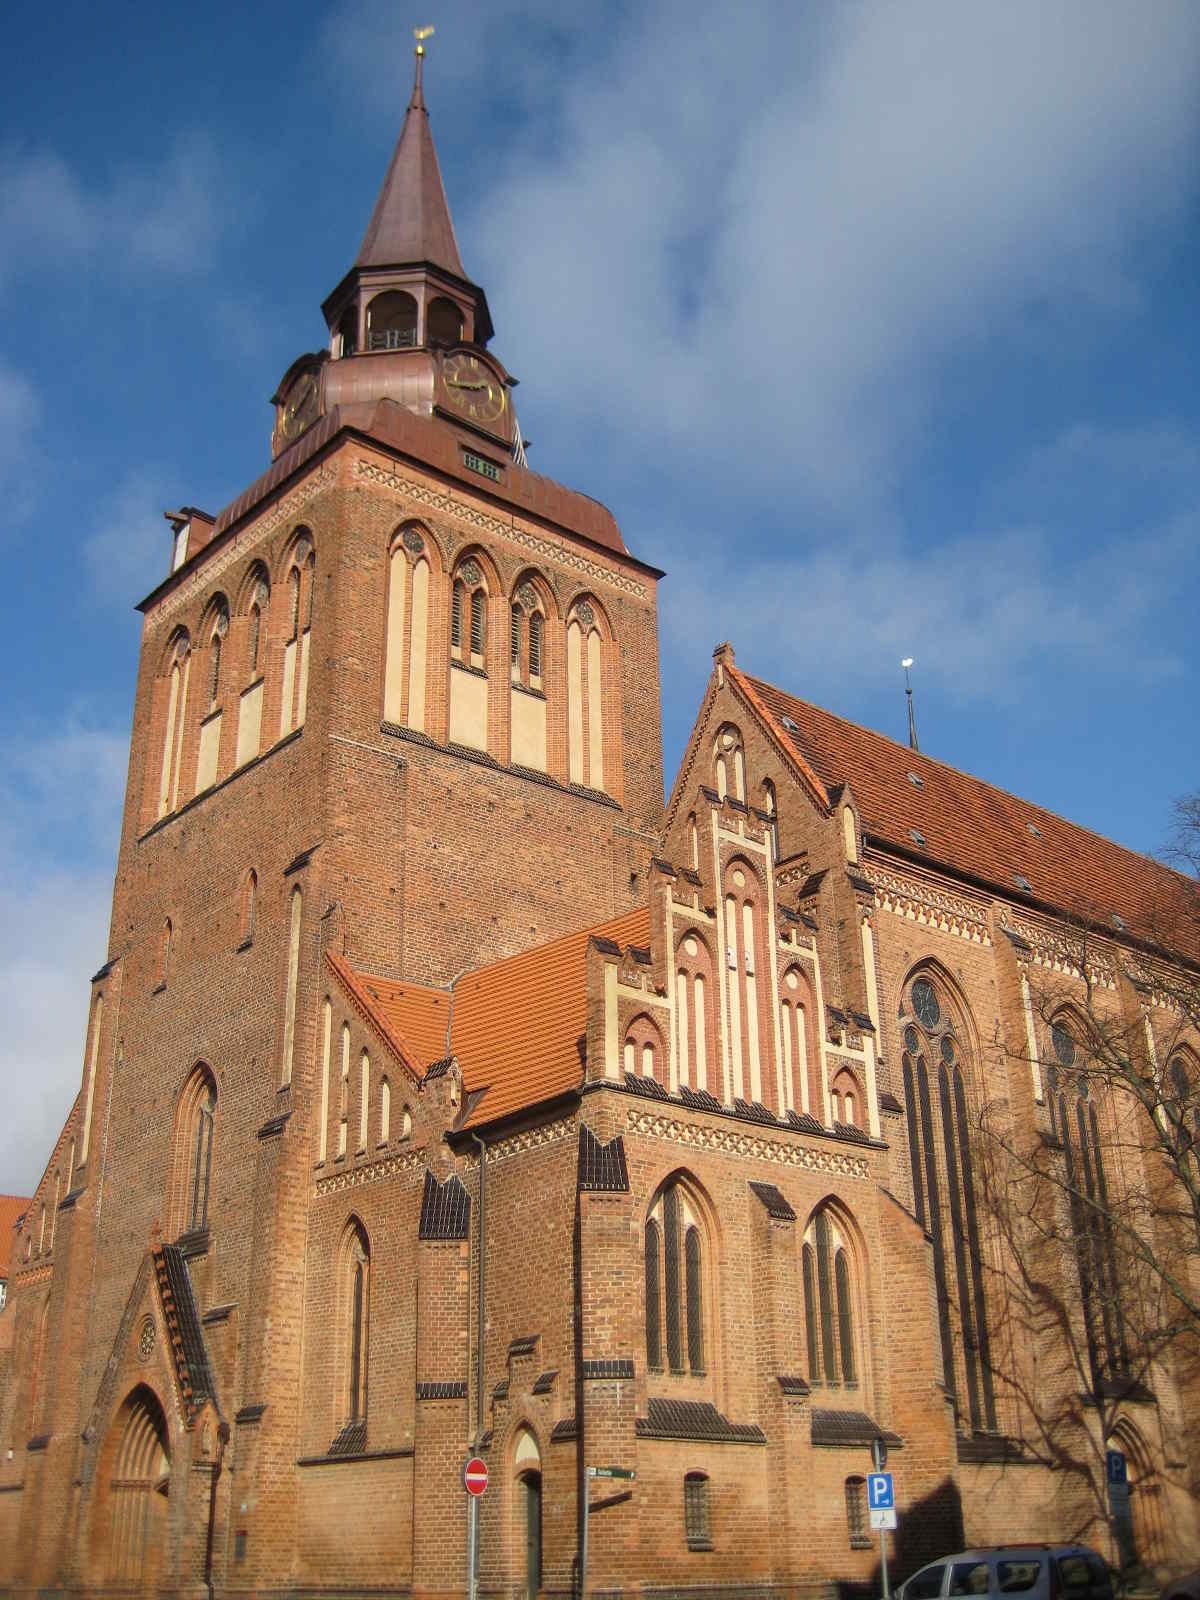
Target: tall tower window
[(392, 321)]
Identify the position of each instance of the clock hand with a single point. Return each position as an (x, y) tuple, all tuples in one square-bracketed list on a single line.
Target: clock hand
[(468, 383)]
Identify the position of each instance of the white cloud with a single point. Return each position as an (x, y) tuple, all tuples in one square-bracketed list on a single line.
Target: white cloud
[(762, 233), (20, 412), (61, 806), (165, 215), (127, 551)]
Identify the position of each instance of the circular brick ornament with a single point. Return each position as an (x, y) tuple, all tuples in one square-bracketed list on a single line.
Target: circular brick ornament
[(146, 1340), (585, 613), (413, 541), (471, 572)]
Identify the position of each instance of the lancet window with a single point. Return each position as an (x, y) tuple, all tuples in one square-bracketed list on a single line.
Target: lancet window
[(743, 938), (677, 1292), (944, 1194), (179, 667), (1075, 1122), (586, 647), (192, 1163), (299, 595), (407, 653), (356, 1306), (801, 1068), (695, 1043), (250, 700), (829, 1318)]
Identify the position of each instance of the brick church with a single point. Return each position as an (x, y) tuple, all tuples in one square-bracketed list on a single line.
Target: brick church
[(447, 1090)]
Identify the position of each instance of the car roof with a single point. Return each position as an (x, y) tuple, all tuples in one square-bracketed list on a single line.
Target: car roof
[(1030, 1548)]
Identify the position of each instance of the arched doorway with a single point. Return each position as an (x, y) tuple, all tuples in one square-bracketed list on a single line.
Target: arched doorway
[(527, 1531), (137, 1489), (1137, 1513)]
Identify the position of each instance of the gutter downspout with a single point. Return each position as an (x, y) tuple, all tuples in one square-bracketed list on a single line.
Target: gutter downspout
[(479, 1334)]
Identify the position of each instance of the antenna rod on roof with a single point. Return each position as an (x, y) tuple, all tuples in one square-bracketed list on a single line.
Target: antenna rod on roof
[(912, 721)]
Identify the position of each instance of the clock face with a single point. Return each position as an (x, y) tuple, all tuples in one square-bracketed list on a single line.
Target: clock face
[(299, 410), (473, 388)]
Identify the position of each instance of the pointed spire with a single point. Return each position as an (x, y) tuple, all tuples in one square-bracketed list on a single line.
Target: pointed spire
[(912, 721), (411, 220)]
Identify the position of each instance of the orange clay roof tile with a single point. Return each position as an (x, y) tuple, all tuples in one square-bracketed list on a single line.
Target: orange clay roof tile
[(12, 1208), (983, 833), (518, 1023)]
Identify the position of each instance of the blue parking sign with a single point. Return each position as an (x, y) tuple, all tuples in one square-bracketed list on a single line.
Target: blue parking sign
[(880, 1496), (1117, 1468)]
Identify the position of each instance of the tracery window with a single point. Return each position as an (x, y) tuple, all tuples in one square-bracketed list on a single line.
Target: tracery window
[(527, 637), (1075, 1122), (677, 1309), (944, 1195), (729, 763), (468, 615), (829, 1319)]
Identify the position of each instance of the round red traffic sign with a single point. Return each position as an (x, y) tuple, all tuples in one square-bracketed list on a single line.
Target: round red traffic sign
[(475, 1476)]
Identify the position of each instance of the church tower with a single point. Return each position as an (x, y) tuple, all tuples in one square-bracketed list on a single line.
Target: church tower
[(397, 709)]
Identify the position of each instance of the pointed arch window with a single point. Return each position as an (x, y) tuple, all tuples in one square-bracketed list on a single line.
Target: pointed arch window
[(355, 1323), (1077, 1125), (745, 933), (586, 726), (193, 1157), (693, 1010), (385, 1110), (944, 1195), (179, 667), (406, 666), (300, 582), (250, 700), (677, 1305), (249, 907), (526, 638), (829, 1320)]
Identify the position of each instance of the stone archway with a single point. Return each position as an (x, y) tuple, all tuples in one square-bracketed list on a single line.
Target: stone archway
[(134, 1484)]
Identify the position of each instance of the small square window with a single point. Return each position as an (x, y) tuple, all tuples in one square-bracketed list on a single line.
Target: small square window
[(696, 1512)]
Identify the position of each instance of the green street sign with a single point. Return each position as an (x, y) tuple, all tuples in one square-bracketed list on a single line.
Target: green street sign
[(611, 1472)]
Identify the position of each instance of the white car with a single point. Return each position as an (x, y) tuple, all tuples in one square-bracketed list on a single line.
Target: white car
[(1032, 1571)]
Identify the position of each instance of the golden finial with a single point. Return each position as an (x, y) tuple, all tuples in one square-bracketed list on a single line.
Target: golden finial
[(420, 35)]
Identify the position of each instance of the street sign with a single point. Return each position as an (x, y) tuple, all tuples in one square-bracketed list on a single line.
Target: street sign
[(1118, 1467), (475, 1476), (610, 1472), (881, 1500), (880, 1493)]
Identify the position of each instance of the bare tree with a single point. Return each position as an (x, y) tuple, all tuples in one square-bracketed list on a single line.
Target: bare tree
[(1094, 1193)]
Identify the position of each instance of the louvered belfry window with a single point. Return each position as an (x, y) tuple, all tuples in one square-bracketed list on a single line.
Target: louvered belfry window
[(828, 1304)]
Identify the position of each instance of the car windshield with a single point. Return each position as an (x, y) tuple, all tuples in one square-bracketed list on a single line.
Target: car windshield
[(926, 1584)]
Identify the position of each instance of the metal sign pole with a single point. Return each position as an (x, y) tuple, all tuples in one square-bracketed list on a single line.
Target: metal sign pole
[(883, 1559), (583, 1543), (472, 1509)]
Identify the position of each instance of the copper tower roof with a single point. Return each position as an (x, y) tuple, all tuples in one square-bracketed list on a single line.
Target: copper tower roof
[(411, 220)]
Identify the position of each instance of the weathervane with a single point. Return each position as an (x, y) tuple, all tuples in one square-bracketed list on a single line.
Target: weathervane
[(420, 35)]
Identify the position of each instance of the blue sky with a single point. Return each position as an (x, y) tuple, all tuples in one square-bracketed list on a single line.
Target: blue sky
[(875, 325)]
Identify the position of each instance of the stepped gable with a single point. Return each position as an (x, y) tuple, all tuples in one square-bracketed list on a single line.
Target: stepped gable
[(517, 1024), (984, 833)]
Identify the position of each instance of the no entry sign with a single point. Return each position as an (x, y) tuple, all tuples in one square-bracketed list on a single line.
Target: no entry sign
[(475, 1476)]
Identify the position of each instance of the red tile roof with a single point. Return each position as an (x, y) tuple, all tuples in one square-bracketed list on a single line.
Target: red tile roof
[(517, 1024), (12, 1208), (973, 829)]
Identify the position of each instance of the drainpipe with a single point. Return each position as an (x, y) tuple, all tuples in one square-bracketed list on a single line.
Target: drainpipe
[(479, 1336), (222, 1441)]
